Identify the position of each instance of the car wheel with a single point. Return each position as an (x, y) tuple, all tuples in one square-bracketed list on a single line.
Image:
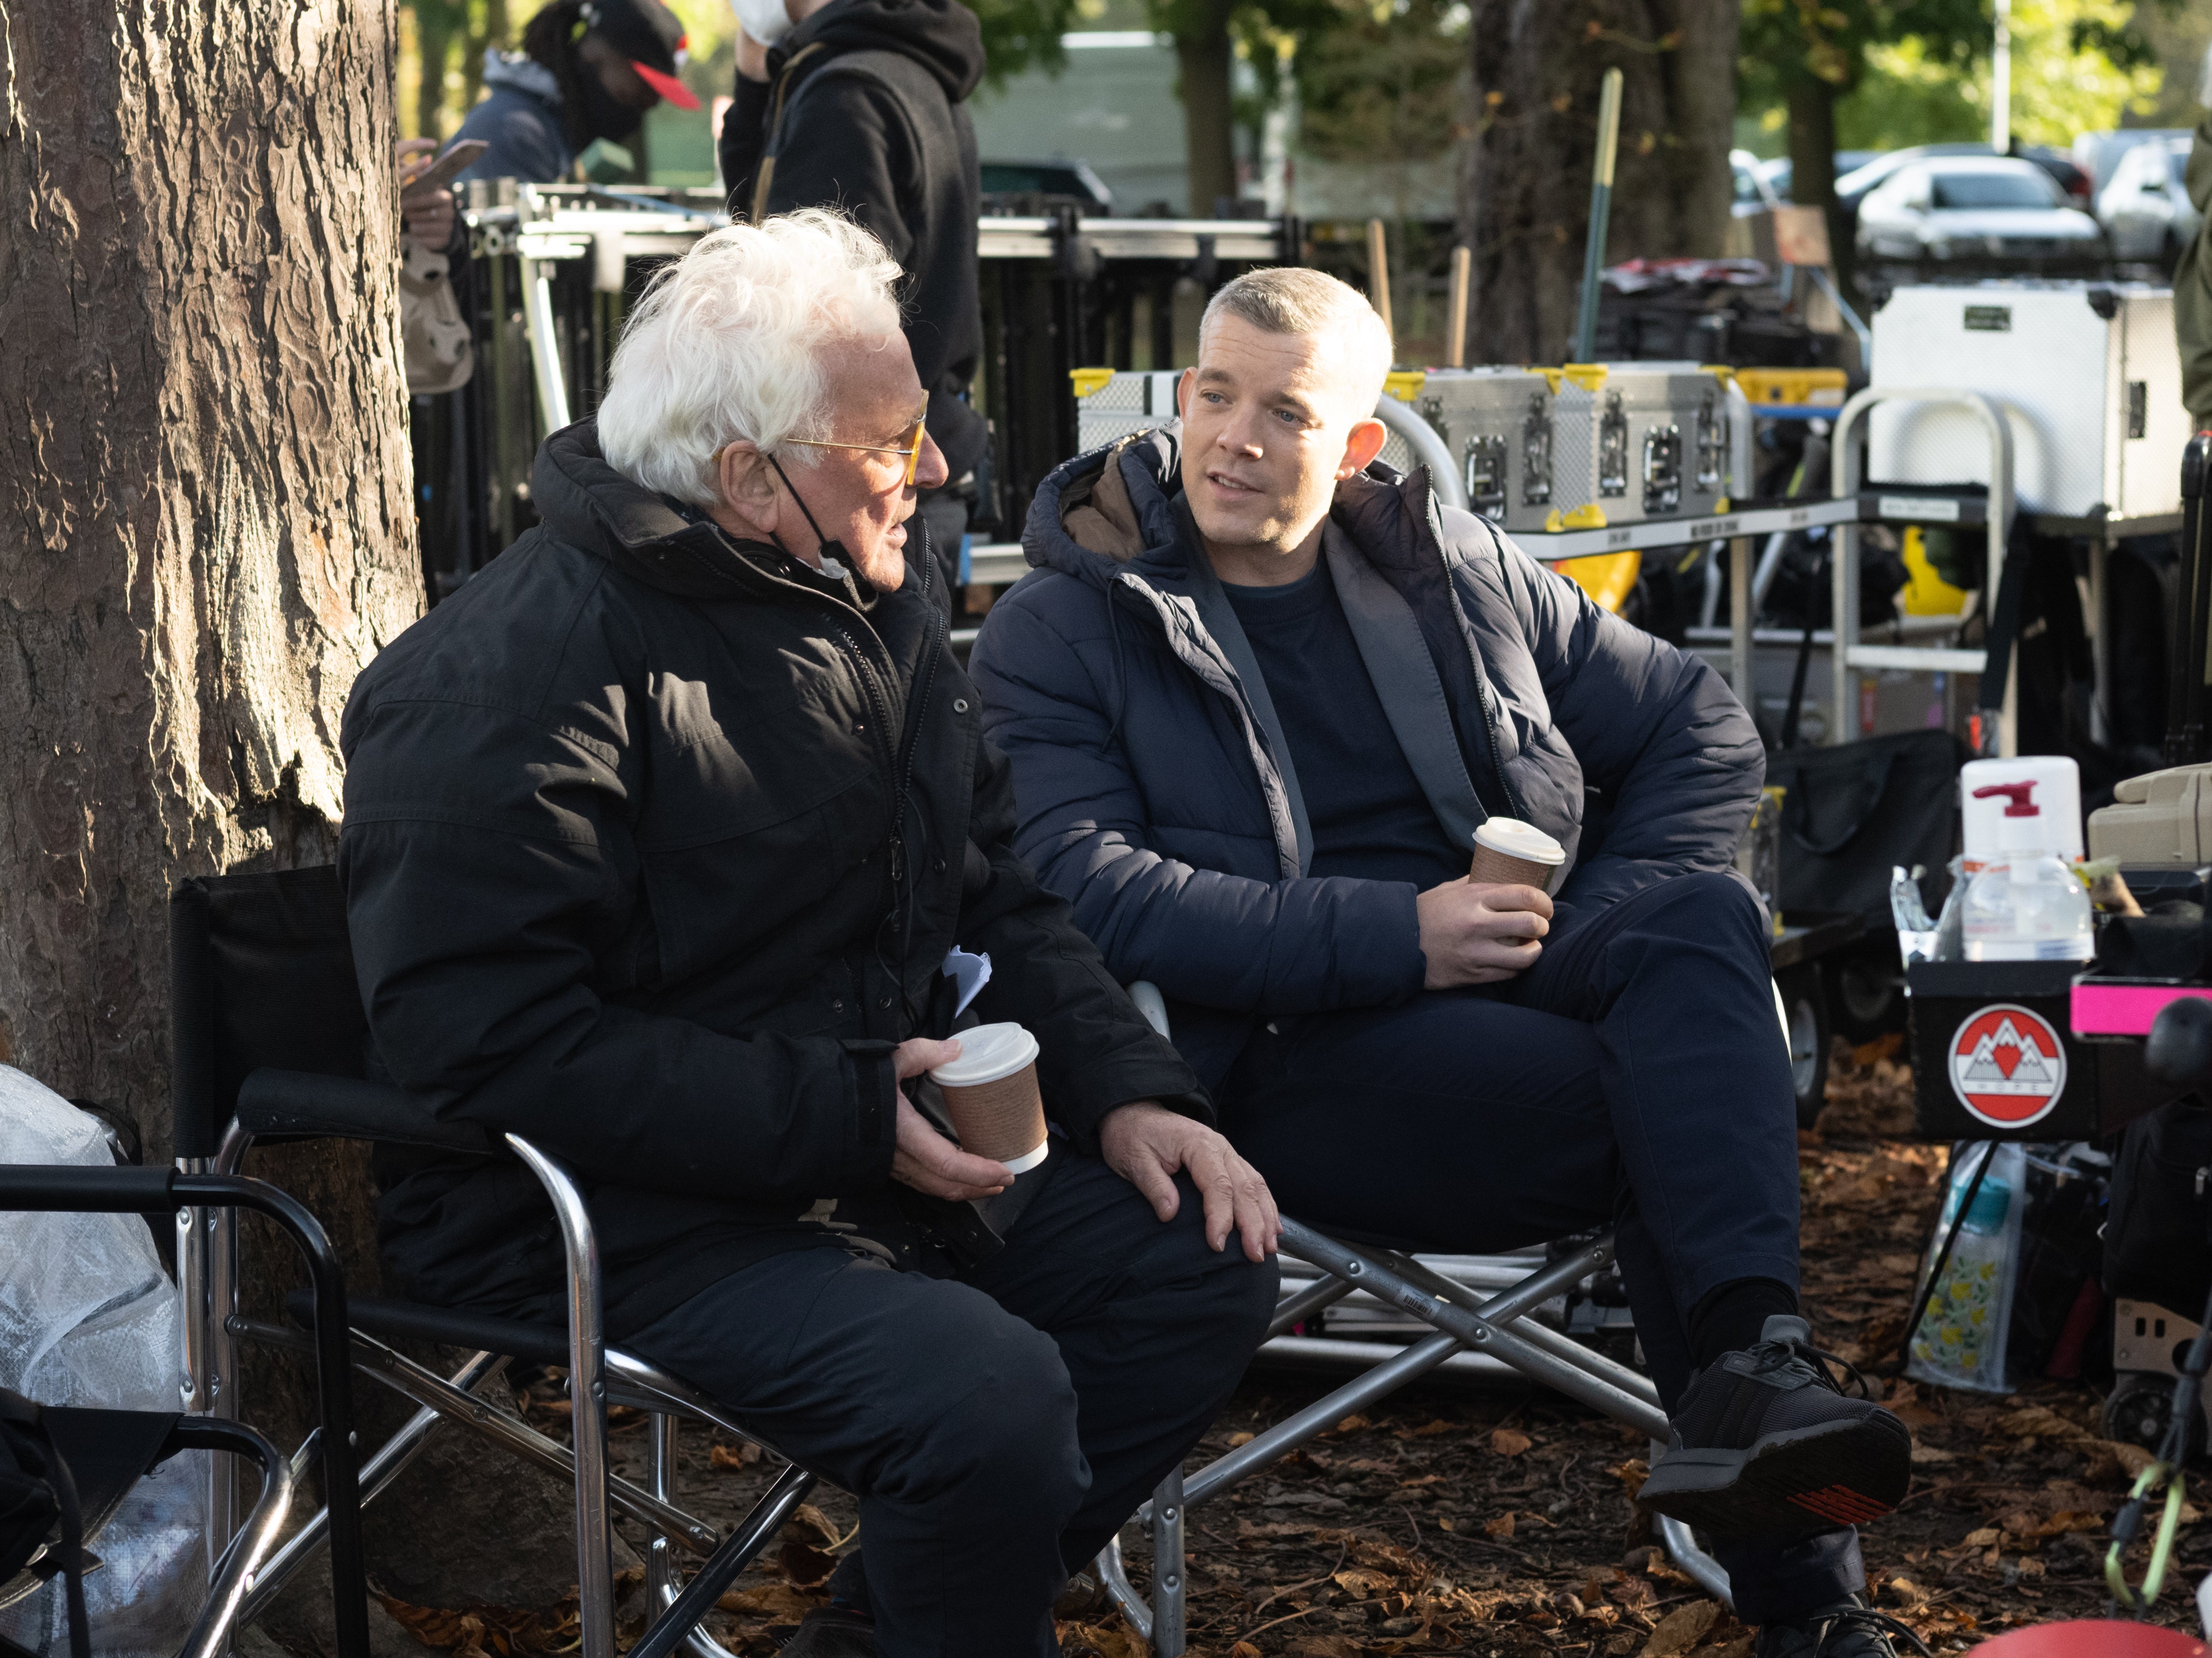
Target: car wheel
[(1867, 999), (1805, 1020)]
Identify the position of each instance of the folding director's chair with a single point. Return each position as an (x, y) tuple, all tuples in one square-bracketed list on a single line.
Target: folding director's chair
[(1501, 1326), (269, 1044), (108, 1451)]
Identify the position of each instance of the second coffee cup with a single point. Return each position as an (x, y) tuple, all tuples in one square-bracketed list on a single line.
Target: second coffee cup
[(991, 1094), (1510, 852)]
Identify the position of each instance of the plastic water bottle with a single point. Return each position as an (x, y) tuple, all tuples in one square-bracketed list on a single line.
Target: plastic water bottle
[(1961, 1339), (2030, 908)]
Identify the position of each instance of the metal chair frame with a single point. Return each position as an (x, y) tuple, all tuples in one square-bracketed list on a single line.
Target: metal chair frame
[(599, 1375), (239, 1557), (1501, 1326)]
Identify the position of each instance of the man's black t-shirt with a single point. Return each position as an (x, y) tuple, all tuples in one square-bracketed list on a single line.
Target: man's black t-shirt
[(1370, 817)]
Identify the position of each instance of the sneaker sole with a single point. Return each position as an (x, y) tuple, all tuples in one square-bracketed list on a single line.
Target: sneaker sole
[(1798, 1481)]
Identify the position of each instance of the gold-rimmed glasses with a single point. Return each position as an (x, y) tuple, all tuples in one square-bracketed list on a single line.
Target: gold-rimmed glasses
[(910, 445)]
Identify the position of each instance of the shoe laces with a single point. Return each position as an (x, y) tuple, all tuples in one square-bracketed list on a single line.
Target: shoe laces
[(1856, 1618), (1771, 1355)]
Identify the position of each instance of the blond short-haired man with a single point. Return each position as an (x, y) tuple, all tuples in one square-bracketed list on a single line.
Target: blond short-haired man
[(1258, 696)]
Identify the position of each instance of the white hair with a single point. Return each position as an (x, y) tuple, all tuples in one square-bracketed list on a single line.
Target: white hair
[(727, 343), (1296, 300)]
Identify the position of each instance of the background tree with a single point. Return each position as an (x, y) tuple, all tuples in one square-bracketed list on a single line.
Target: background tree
[(1525, 177), (1807, 56)]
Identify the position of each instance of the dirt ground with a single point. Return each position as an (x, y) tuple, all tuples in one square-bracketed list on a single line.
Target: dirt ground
[(1500, 1523)]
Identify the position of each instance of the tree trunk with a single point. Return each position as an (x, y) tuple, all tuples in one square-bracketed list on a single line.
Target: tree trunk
[(1205, 56), (204, 449), (1525, 168), (207, 531), (1811, 106)]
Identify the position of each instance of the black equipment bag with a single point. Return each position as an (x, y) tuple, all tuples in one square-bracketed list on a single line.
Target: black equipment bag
[(1855, 810), (2158, 1240), (36, 1494)]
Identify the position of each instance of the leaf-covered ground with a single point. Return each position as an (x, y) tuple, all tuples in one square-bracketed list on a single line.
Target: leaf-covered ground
[(1500, 1523)]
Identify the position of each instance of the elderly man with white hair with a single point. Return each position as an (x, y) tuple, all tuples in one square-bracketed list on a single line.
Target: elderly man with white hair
[(657, 836)]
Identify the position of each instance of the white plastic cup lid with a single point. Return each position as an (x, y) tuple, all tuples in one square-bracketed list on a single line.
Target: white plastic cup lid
[(1512, 838), (988, 1054)]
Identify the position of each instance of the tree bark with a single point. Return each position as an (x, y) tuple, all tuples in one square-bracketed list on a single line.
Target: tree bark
[(1205, 56), (203, 455), (1525, 165), (1812, 109)]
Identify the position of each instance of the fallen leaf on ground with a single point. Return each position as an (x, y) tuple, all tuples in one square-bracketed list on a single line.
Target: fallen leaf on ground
[(771, 1600), (733, 1457), (1362, 1583), (1681, 1629), (1235, 1440), (1509, 1442), (1107, 1640), (806, 1519), (1501, 1527)]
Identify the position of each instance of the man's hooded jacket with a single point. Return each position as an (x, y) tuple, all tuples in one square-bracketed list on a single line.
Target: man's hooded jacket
[(656, 842), (1157, 793), (865, 110)]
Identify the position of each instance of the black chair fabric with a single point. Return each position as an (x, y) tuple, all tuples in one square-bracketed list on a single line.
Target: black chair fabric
[(394, 1321), (261, 975)]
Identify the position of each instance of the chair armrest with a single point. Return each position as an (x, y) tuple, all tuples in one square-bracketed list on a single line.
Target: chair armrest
[(301, 1103), (69, 1188)]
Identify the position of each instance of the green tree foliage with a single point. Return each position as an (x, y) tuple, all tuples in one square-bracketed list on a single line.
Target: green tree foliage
[(1379, 82)]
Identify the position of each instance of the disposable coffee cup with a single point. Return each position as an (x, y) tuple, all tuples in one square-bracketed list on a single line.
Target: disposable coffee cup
[(1510, 852), (991, 1094)]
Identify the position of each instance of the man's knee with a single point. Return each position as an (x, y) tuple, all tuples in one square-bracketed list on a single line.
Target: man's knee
[(1711, 903), (1219, 1300), (992, 1410)]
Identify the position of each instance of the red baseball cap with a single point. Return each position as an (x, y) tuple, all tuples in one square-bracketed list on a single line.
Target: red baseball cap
[(651, 37)]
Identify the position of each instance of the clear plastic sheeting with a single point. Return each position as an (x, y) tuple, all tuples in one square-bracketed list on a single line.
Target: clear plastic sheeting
[(89, 1318)]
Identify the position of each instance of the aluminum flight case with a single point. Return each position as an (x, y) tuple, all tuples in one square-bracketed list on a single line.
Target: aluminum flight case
[(2086, 375), (1635, 441), (1497, 424)]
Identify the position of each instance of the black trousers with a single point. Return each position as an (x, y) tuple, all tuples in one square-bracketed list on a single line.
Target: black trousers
[(998, 1427), (1634, 1077)]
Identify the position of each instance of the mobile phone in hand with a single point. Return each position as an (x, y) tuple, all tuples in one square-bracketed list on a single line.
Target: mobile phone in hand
[(456, 159)]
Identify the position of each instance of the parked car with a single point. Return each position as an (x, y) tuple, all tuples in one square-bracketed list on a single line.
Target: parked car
[(2065, 172), (2101, 151), (1982, 209), (2146, 208), (1779, 175)]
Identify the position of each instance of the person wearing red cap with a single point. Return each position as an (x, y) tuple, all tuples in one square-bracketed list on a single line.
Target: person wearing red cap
[(587, 69)]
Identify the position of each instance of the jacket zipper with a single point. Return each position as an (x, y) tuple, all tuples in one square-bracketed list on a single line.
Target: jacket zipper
[(1474, 660)]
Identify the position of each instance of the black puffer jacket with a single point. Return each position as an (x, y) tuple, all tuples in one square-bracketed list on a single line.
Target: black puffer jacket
[(625, 874), (875, 122)]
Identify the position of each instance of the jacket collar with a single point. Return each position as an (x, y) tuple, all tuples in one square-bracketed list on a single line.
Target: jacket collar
[(585, 501)]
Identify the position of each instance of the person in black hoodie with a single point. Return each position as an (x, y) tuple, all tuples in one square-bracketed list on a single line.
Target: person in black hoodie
[(861, 106)]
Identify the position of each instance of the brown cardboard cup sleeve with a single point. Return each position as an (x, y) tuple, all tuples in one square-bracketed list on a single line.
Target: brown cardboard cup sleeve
[(991, 1094), (1508, 850)]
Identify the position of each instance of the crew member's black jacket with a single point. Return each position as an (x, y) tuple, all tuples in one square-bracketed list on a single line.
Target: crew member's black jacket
[(875, 122), (624, 874)]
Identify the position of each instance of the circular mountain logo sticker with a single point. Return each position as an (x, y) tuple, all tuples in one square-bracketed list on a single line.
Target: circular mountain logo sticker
[(2008, 1066)]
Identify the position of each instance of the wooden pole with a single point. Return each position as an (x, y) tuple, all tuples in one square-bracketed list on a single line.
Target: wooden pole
[(1463, 279), (1378, 279), (1609, 147)]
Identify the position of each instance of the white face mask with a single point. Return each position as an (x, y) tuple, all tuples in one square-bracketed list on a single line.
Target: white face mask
[(766, 21)]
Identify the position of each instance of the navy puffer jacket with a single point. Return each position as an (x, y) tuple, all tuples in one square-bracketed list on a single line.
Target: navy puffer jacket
[(1155, 792)]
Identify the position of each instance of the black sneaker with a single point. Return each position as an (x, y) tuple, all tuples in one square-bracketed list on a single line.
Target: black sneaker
[(832, 1632), (1764, 1444), (1848, 1628)]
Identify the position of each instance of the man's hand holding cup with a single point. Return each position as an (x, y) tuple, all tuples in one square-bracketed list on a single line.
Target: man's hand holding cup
[(1490, 926)]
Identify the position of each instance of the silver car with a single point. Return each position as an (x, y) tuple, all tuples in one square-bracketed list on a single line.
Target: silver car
[(1988, 209), (2146, 207)]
